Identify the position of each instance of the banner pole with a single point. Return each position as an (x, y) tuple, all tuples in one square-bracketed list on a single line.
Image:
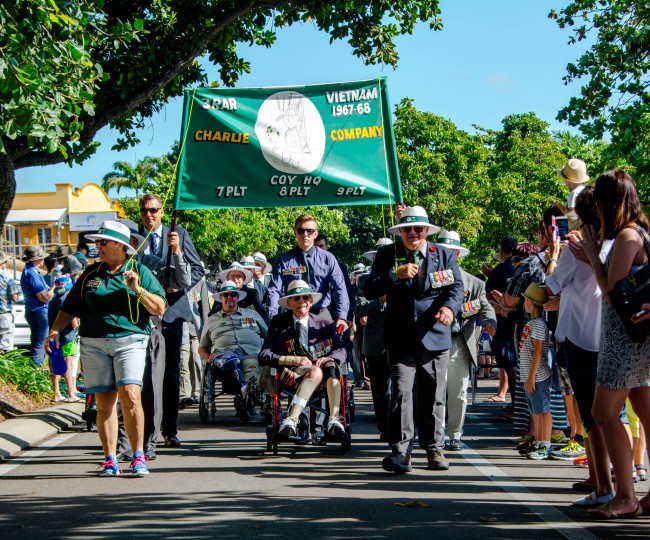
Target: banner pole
[(172, 228)]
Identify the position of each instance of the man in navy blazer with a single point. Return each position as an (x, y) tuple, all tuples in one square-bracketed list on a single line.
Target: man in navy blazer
[(305, 349), (178, 312), (424, 291)]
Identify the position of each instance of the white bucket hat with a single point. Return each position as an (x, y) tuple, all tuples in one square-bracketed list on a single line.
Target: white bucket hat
[(297, 288), (451, 239), (414, 215), (112, 230), (260, 259), (228, 287), (223, 275), (574, 171), (370, 255), (133, 228)]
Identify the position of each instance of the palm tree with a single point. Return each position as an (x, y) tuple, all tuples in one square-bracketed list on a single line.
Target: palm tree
[(142, 177)]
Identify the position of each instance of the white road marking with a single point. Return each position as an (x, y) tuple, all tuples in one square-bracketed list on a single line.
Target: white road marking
[(521, 494), (28, 455)]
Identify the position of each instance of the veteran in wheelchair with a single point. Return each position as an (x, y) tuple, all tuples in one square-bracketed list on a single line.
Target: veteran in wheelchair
[(306, 352), (230, 342)]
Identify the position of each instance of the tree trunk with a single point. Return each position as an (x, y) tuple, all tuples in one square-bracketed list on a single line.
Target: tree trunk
[(7, 186)]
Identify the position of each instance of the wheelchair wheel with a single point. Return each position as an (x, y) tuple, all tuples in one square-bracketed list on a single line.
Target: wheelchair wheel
[(89, 425), (203, 398), (269, 438), (351, 405), (348, 438)]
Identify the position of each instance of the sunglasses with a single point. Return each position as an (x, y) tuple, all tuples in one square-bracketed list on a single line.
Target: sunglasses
[(102, 242), (230, 294), (303, 297), (308, 232), (149, 210), (415, 228)]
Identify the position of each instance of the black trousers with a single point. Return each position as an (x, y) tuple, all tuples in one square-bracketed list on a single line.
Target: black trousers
[(173, 334), (379, 374)]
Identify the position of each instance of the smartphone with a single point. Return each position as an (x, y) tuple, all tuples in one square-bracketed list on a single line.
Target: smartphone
[(562, 227), (554, 230)]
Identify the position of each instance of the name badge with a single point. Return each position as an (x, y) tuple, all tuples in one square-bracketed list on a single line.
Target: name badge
[(441, 278), (293, 271), (470, 308)]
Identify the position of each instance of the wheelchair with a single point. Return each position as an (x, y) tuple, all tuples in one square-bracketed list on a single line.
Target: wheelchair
[(273, 415), (213, 376)]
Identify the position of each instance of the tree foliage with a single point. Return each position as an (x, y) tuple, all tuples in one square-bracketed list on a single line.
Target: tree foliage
[(147, 175), (71, 67), (615, 97)]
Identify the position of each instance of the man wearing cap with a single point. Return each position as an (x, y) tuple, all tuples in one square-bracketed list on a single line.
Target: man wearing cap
[(424, 291), (264, 269), (37, 295), (463, 341), (255, 288), (80, 254), (159, 243), (305, 349), (9, 293), (575, 176), (238, 331), (315, 266)]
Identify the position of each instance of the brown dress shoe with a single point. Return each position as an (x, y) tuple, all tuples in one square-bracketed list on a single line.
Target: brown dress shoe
[(437, 461)]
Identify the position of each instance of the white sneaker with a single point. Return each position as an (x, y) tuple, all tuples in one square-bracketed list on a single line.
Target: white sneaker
[(289, 427), (335, 426)]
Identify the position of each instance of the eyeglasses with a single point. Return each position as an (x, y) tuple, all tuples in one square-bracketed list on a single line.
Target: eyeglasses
[(149, 210), (415, 228), (308, 232), (102, 242), (303, 297), (229, 294)]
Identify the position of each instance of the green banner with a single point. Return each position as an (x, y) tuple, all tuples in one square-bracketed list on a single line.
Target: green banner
[(317, 145)]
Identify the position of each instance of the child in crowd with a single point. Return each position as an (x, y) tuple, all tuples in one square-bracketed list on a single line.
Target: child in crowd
[(535, 371)]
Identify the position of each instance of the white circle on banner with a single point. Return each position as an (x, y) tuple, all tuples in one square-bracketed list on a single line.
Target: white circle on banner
[(291, 132)]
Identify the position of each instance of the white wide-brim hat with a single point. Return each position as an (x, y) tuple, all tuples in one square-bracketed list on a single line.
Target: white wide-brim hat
[(574, 171), (370, 255), (249, 263), (133, 229), (414, 215), (223, 275), (112, 230), (227, 287), (261, 259), (297, 288), (451, 239)]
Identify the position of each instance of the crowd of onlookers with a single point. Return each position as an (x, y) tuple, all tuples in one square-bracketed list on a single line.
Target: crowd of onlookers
[(418, 326)]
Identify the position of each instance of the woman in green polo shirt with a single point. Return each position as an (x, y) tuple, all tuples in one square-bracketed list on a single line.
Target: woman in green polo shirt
[(113, 299)]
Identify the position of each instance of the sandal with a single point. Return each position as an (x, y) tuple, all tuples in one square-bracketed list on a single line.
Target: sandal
[(494, 399), (606, 511), (642, 476)]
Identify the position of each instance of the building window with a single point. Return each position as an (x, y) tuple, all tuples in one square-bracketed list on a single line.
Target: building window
[(44, 235)]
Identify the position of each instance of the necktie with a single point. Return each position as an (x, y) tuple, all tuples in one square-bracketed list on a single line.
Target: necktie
[(300, 348), (155, 243)]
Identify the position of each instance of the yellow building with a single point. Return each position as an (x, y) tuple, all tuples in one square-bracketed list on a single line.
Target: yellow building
[(61, 217)]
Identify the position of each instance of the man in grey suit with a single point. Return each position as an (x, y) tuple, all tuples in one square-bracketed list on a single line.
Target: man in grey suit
[(463, 341), (424, 291), (157, 237)]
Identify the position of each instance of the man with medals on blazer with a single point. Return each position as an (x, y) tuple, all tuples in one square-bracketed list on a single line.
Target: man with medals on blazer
[(424, 292)]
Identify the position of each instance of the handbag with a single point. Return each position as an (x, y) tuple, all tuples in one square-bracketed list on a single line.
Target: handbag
[(628, 295)]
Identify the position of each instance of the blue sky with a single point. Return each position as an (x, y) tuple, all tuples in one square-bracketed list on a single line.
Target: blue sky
[(493, 58)]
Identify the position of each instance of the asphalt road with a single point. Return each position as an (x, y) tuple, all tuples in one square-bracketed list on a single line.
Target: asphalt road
[(223, 484)]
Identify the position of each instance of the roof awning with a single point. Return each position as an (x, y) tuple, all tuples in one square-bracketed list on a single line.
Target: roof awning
[(42, 215)]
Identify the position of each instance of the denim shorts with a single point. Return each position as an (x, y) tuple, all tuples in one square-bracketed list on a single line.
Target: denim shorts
[(112, 362), (540, 400)]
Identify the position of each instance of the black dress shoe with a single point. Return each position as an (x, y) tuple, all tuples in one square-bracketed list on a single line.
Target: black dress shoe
[(150, 451), (172, 441)]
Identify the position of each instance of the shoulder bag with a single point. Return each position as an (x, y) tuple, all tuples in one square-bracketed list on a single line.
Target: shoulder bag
[(632, 291)]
